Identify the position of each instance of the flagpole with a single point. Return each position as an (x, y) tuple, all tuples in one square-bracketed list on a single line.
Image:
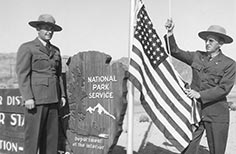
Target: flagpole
[(130, 86), (131, 28)]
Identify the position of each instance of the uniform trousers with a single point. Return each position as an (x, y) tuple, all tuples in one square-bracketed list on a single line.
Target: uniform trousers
[(216, 133), (41, 129)]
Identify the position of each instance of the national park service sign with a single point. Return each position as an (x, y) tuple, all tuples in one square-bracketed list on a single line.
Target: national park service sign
[(96, 91)]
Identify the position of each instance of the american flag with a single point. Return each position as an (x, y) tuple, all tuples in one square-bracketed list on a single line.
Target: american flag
[(161, 88)]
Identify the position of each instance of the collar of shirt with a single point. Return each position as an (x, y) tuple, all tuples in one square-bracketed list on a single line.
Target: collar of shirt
[(42, 41), (214, 55)]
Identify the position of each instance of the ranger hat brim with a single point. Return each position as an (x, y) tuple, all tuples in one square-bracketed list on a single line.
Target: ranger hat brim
[(46, 19), (216, 31)]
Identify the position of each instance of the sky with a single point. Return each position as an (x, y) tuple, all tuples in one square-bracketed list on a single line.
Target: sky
[(103, 25)]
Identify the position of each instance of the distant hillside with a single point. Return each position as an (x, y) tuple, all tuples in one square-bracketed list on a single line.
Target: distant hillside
[(7, 70), (8, 76), (6, 63), (182, 69)]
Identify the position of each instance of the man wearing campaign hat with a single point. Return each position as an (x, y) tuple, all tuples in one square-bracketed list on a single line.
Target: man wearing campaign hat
[(213, 76), (38, 69)]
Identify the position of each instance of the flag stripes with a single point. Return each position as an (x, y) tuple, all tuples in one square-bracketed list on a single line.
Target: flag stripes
[(163, 80), (161, 90), (162, 116), (157, 117)]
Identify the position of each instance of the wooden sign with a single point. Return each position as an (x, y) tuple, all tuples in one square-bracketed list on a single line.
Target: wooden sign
[(97, 92), (11, 122)]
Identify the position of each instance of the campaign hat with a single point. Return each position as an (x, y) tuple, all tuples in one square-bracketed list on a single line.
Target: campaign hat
[(46, 19), (216, 30)]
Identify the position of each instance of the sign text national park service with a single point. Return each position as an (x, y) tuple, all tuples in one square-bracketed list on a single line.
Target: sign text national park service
[(96, 90)]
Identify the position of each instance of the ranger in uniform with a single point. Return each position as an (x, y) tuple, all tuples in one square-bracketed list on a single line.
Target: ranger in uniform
[(213, 78), (38, 69)]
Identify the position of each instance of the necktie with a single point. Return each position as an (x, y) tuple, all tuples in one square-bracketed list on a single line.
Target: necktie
[(48, 46), (209, 57)]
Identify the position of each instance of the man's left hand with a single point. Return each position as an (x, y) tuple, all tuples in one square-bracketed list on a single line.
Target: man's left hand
[(192, 93), (63, 102)]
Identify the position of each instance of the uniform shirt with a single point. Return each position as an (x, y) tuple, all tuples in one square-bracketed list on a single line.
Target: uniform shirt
[(213, 79), (39, 72)]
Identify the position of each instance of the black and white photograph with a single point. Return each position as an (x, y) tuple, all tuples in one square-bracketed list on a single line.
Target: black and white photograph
[(117, 77)]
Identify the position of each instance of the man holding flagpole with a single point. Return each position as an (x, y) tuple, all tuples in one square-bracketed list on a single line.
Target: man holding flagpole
[(213, 78)]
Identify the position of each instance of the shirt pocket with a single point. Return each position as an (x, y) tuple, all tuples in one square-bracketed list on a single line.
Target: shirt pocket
[(40, 81), (40, 87), (197, 66), (40, 62), (215, 77)]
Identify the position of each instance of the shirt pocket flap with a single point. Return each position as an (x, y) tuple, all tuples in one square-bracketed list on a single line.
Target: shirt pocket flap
[(40, 81), (40, 57), (216, 77), (197, 66)]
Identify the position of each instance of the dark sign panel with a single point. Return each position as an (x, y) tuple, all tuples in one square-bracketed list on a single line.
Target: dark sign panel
[(10, 100), (97, 103), (11, 122)]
